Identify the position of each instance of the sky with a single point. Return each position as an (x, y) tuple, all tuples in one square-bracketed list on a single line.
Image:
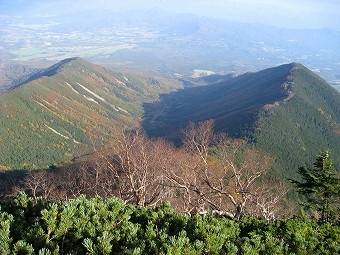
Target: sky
[(284, 13)]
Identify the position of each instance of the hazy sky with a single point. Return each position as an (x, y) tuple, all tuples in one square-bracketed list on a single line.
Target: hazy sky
[(285, 13)]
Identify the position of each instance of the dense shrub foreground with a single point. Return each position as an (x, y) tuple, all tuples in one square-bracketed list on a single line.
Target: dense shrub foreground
[(96, 226)]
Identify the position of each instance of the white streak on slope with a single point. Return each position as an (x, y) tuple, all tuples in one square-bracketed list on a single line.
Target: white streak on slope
[(92, 93), (54, 131), (118, 81), (42, 105), (72, 88), (123, 110), (114, 107), (90, 99)]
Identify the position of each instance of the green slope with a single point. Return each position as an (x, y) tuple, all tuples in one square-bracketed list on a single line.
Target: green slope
[(301, 127), (287, 111), (68, 110)]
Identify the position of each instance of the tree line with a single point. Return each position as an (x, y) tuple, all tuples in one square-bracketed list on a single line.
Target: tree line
[(208, 173)]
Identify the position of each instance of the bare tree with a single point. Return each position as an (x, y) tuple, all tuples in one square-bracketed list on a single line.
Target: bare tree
[(106, 176), (209, 172), (183, 180), (39, 183), (229, 182), (197, 138), (239, 181), (94, 177), (73, 180), (141, 177), (268, 200)]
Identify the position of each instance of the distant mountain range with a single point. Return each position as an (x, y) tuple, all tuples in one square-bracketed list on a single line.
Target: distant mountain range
[(70, 109), (167, 42), (287, 111), (12, 74)]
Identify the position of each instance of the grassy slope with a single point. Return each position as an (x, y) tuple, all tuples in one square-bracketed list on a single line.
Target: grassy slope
[(31, 114)]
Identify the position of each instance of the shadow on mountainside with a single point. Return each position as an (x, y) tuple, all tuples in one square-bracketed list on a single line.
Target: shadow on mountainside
[(233, 104)]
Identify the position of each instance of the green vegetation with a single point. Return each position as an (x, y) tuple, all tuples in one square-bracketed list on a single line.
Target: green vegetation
[(321, 187), (302, 126), (98, 226), (286, 111), (69, 109)]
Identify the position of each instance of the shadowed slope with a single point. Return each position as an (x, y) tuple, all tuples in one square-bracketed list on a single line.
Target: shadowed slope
[(233, 104), (287, 111)]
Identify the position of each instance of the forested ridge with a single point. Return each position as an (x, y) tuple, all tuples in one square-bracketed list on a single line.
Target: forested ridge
[(303, 125), (68, 110), (287, 111), (74, 108)]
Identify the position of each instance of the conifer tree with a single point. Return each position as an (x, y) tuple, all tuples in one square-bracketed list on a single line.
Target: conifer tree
[(320, 186)]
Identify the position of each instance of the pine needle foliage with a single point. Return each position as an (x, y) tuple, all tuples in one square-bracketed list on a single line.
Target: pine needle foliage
[(320, 186)]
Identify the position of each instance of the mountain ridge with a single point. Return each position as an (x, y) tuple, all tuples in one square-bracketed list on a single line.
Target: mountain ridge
[(256, 107), (70, 109), (241, 89), (311, 123), (75, 107)]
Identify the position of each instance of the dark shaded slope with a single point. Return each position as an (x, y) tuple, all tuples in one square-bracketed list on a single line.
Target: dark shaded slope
[(233, 104), (287, 111)]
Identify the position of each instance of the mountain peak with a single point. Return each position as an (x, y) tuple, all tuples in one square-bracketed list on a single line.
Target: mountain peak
[(52, 70), (70, 60), (298, 65), (285, 110), (68, 109)]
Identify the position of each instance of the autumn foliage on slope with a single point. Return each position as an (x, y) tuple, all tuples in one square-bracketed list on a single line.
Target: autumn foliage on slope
[(209, 173)]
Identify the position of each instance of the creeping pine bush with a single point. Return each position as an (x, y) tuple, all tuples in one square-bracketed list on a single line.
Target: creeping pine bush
[(98, 226)]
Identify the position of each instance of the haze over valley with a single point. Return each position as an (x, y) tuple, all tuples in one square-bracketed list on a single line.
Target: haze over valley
[(157, 40)]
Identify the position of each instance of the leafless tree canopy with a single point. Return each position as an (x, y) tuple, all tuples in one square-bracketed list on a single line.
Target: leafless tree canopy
[(208, 173)]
